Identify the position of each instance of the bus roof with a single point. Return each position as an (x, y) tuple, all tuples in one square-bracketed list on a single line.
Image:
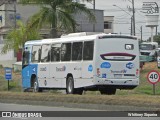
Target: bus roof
[(78, 38)]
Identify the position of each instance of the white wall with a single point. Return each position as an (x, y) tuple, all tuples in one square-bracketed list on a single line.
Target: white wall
[(8, 56), (8, 59)]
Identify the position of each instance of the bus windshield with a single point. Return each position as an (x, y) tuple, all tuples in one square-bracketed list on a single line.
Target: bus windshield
[(146, 47)]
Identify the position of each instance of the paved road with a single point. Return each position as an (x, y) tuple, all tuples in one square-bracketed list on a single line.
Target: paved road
[(18, 107)]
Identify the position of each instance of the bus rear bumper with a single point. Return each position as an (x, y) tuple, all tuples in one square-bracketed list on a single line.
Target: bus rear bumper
[(118, 83)]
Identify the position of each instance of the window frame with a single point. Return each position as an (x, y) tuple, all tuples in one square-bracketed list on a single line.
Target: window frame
[(39, 59), (107, 25), (66, 52), (59, 52), (82, 42), (48, 51), (84, 48)]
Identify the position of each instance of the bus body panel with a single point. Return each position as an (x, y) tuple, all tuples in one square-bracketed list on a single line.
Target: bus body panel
[(27, 73), (115, 63), (29, 69), (43, 74)]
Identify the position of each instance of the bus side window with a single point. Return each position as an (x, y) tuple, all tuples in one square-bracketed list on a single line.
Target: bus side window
[(55, 52), (45, 54), (66, 52), (36, 50), (88, 50), (77, 51)]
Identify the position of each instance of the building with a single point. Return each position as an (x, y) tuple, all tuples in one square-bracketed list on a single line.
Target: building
[(85, 26), (108, 24), (8, 22)]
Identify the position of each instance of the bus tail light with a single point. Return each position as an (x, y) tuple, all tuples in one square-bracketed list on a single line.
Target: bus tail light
[(137, 72), (98, 72)]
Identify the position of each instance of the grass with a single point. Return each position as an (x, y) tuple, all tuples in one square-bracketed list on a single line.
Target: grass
[(14, 84), (145, 87), (133, 100)]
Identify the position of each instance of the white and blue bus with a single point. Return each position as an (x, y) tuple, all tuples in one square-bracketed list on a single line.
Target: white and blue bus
[(103, 62)]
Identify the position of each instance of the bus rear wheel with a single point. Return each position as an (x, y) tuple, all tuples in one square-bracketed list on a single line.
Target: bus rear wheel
[(108, 91), (70, 87)]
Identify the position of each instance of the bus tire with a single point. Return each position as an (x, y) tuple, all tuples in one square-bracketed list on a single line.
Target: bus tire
[(109, 91), (36, 87), (70, 85)]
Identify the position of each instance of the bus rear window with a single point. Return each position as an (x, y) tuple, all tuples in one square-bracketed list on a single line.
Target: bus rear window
[(129, 46)]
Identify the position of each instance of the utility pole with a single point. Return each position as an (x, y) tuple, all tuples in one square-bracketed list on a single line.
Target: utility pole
[(94, 6), (15, 16), (156, 30), (131, 26), (133, 18), (141, 33)]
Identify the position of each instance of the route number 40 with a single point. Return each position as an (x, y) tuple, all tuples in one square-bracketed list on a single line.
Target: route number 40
[(153, 76)]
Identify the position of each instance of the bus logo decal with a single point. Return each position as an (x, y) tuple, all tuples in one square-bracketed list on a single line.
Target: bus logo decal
[(61, 69), (104, 75), (90, 68), (105, 65), (34, 69), (129, 65)]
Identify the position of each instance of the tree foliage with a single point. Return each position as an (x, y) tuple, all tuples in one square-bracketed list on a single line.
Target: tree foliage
[(156, 38), (16, 38), (58, 14)]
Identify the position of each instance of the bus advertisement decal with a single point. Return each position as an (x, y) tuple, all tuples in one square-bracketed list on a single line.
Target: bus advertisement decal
[(77, 68), (105, 65), (43, 69), (61, 69), (90, 68), (119, 71)]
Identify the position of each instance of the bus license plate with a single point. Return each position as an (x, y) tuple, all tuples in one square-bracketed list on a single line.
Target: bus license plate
[(117, 75)]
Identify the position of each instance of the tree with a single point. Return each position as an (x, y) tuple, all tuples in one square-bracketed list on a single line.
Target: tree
[(156, 38), (58, 14), (16, 38)]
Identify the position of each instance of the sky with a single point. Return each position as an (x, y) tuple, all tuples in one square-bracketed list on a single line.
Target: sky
[(122, 20)]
